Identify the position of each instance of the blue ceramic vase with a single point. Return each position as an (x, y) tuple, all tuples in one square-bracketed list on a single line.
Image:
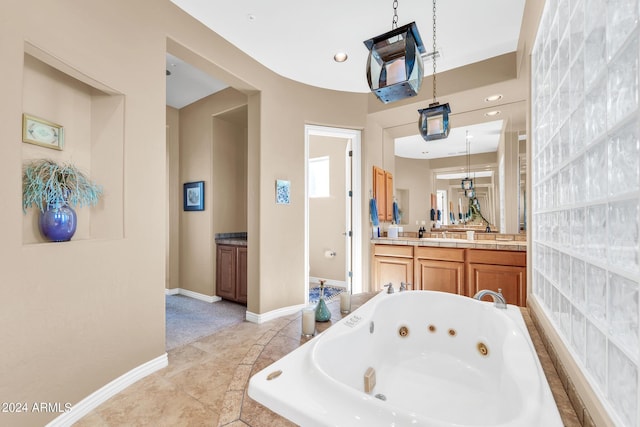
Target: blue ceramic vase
[(58, 223)]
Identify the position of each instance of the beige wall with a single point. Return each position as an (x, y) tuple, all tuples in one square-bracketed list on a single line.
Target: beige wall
[(77, 315), (327, 215), (512, 182), (212, 150), (416, 177), (173, 200)]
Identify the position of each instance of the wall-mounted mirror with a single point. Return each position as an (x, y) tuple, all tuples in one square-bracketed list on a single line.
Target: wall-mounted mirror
[(488, 149)]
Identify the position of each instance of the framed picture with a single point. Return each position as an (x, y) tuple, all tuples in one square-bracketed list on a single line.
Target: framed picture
[(283, 192), (42, 132), (194, 196)]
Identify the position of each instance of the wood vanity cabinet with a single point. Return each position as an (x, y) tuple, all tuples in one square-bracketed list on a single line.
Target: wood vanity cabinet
[(462, 271), (392, 264), (439, 269), (231, 273), (383, 193), (495, 269)]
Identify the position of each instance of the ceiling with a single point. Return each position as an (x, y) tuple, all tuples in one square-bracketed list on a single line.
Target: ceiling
[(298, 40), (483, 138), (186, 84)]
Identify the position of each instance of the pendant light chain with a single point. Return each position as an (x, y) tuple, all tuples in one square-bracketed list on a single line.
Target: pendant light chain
[(394, 23), (468, 155), (434, 51)]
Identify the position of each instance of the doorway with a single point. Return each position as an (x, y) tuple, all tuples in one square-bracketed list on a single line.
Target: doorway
[(332, 208)]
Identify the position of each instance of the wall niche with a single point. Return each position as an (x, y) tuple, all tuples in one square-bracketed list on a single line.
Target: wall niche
[(92, 115)]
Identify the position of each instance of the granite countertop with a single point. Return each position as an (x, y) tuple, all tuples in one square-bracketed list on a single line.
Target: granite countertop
[(235, 239), (497, 243)]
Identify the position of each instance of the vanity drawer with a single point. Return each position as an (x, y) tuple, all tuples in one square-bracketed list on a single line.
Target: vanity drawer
[(393, 250), (440, 254)]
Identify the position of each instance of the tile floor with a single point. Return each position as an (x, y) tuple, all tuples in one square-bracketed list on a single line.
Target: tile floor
[(205, 382)]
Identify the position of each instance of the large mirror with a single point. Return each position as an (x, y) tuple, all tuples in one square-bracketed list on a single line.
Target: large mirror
[(488, 149)]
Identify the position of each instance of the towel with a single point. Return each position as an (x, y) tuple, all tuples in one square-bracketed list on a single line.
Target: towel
[(396, 213), (373, 210)]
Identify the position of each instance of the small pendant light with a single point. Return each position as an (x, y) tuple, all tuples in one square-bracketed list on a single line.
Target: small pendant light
[(467, 183), (434, 120)]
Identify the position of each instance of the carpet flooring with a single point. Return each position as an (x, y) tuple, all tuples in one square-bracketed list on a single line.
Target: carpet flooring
[(189, 319)]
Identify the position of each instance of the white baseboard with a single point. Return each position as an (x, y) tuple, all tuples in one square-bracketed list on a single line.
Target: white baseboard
[(328, 282), (274, 314), (100, 396), (191, 294)]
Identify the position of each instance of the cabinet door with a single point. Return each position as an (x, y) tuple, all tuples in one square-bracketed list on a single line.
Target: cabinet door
[(388, 189), (226, 272), (511, 279), (391, 270), (445, 276), (241, 275), (380, 192)]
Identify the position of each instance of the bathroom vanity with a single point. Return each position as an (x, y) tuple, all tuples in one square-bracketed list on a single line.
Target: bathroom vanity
[(231, 266), (453, 265)]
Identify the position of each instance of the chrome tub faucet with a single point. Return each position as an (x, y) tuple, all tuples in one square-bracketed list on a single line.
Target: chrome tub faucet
[(404, 286), (498, 298)]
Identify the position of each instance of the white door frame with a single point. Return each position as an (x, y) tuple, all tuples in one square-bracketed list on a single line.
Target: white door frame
[(356, 198)]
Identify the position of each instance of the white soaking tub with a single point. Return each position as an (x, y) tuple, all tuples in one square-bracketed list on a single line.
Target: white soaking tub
[(439, 360)]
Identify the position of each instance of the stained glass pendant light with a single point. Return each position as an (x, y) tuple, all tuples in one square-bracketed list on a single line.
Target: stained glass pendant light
[(394, 65), (434, 120)]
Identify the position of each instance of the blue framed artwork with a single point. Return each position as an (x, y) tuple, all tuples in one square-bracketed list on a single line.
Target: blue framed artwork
[(194, 196), (283, 192)]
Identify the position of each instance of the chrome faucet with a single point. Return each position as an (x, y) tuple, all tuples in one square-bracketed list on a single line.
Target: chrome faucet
[(389, 287), (404, 286), (498, 298)]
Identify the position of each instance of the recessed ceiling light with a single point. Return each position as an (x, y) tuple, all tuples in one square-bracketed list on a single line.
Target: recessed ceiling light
[(493, 98), (492, 113), (340, 57)]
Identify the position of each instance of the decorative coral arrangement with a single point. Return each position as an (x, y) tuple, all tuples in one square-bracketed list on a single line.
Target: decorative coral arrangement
[(46, 183)]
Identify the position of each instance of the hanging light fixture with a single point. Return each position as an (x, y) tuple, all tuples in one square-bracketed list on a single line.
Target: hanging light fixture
[(394, 66), (434, 120), (467, 183)]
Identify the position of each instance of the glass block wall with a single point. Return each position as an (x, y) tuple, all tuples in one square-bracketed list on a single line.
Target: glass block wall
[(586, 190)]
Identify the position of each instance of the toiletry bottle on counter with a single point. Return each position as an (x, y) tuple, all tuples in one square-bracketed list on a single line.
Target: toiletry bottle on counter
[(421, 232)]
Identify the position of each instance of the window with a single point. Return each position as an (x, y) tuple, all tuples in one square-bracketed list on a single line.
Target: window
[(319, 177)]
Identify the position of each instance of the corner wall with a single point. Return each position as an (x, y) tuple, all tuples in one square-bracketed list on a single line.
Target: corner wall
[(79, 314)]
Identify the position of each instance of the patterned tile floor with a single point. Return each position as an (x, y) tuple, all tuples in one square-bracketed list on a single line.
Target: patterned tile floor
[(205, 382)]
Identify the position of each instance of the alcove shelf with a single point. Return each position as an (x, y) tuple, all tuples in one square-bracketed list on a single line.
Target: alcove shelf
[(92, 116)]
